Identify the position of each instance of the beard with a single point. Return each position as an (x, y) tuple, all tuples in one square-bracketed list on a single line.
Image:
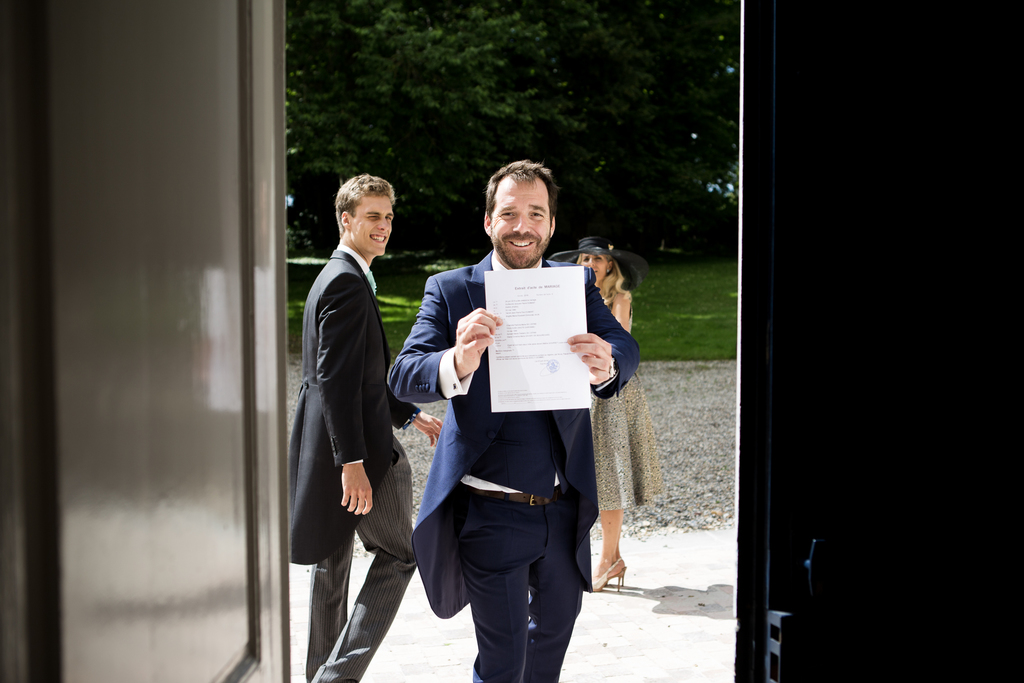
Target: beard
[(516, 259)]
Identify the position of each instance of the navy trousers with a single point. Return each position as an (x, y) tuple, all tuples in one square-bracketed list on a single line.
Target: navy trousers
[(525, 590)]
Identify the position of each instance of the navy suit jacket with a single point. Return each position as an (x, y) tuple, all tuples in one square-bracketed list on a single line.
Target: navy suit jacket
[(345, 411), (470, 426)]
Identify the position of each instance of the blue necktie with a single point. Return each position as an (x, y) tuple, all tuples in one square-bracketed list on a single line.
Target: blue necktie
[(373, 283)]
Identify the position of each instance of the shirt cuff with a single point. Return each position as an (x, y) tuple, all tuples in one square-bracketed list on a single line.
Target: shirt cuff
[(412, 418), (447, 380)]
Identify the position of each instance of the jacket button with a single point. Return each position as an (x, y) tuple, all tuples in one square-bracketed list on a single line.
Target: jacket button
[(491, 434)]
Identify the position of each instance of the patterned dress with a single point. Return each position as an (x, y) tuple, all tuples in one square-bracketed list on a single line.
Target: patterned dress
[(625, 452)]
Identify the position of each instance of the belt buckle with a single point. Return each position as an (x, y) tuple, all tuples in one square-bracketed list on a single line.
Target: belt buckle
[(531, 499)]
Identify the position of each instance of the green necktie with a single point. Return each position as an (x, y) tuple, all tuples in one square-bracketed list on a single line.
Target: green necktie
[(373, 283)]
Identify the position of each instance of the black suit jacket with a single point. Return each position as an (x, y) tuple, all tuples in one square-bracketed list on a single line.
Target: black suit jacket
[(345, 410)]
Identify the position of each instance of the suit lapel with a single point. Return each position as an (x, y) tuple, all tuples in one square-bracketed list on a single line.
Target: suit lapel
[(380, 323), (475, 284), (373, 297)]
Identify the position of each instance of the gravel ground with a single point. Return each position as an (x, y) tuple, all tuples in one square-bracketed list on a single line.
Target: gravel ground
[(693, 407)]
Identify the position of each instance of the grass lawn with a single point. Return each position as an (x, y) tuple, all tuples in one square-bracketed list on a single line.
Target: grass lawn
[(684, 310)]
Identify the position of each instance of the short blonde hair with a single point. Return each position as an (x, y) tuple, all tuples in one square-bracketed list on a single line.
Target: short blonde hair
[(353, 191), (611, 286)]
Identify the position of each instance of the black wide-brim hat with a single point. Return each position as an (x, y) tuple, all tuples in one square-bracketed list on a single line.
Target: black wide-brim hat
[(634, 268)]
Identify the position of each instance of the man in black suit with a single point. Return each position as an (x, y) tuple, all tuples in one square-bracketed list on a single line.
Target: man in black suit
[(348, 473)]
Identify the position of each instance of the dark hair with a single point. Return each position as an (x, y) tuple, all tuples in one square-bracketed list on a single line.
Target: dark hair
[(524, 171), (353, 191)]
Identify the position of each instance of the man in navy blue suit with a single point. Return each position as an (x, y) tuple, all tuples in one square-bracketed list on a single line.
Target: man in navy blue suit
[(504, 525)]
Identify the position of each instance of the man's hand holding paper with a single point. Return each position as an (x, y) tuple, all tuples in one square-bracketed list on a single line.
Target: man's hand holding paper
[(472, 337), (596, 353)]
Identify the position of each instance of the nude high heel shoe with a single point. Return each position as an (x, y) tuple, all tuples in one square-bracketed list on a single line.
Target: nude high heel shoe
[(617, 570)]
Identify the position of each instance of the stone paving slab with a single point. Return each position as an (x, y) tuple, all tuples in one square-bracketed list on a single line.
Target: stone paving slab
[(672, 621)]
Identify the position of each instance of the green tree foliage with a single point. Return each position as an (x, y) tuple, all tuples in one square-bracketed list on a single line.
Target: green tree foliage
[(634, 104)]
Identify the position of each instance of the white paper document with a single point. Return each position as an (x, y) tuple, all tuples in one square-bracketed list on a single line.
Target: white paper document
[(531, 366)]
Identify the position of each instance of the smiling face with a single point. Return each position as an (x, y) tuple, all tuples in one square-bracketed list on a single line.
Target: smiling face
[(601, 265), (521, 225), (368, 227)]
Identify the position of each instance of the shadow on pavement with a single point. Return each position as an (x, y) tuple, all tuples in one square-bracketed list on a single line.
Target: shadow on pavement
[(714, 603)]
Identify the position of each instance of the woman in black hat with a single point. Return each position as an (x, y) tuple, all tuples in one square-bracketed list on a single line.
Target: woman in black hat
[(625, 455)]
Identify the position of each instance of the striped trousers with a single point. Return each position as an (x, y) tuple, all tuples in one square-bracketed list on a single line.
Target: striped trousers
[(342, 645)]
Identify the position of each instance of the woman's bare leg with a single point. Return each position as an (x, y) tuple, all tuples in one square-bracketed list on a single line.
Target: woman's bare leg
[(611, 528)]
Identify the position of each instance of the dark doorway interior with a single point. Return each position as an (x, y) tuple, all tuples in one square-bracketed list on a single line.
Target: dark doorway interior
[(809, 434)]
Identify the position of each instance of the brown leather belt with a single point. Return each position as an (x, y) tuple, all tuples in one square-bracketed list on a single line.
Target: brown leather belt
[(516, 497)]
